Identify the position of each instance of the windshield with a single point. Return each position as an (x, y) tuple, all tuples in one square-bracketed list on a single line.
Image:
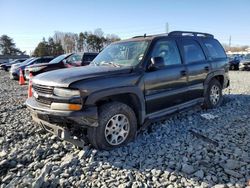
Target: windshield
[(58, 59), (27, 60), (30, 62), (121, 54)]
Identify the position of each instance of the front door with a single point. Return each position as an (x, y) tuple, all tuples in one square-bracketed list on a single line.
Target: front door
[(167, 86)]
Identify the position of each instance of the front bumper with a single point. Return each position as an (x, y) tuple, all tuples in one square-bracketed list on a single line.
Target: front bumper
[(86, 118), (14, 75)]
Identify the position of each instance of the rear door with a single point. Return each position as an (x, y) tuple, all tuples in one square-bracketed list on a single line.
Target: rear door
[(197, 66), (167, 86)]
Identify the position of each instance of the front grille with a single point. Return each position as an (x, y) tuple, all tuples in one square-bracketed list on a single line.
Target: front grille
[(43, 100), (43, 89)]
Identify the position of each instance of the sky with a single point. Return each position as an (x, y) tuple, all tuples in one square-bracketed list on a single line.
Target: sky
[(28, 21)]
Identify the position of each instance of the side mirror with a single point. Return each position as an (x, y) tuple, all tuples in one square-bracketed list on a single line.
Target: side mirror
[(156, 63)]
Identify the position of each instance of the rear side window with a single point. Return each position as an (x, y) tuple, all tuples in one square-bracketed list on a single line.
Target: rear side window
[(215, 49), (192, 51)]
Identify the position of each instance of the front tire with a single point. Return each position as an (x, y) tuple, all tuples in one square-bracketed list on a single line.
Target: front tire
[(213, 95), (117, 126)]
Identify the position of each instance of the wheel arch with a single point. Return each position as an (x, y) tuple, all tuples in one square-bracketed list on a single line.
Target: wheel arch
[(218, 75), (131, 96)]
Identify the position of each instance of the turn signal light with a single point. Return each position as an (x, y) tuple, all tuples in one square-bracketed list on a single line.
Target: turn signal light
[(75, 107)]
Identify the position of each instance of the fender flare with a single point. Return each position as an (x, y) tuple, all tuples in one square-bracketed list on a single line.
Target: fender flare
[(210, 76), (94, 97)]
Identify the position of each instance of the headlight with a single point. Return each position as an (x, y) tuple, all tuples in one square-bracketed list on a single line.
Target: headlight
[(66, 92), (35, 69)]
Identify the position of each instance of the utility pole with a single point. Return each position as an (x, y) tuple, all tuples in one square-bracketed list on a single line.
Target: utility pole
[(230, 40), (167, 28)]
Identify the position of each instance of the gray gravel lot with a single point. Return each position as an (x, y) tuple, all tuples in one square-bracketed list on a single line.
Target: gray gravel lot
[(185, 150)]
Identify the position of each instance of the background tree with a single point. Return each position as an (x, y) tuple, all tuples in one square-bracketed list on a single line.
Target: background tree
[(84, 41), (45, 48), (8, 47), (80, 42)]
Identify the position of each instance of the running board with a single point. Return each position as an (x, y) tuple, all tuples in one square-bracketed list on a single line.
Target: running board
[(173, 109)]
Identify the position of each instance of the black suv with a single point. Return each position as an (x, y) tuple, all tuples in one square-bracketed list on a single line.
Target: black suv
[(128, 85)]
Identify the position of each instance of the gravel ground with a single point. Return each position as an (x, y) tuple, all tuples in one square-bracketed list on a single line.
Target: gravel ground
[(188, 149)]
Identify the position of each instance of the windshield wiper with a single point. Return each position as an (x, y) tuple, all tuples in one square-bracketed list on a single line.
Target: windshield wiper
[(110, 63)]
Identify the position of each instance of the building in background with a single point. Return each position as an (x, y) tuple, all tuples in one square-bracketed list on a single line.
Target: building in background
[(8, 58)]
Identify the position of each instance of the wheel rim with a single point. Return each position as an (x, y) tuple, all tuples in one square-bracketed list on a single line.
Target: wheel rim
[(215, 94), (117, 129)]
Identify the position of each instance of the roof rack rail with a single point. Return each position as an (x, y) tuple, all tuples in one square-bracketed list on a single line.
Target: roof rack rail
[(139, 36), (190, 33)]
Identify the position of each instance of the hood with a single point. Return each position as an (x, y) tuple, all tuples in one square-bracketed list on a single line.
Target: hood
[(65, 77)]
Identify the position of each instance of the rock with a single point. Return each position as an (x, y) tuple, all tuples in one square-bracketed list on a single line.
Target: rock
[(39, 181), (3, 153), (219, 186), (199, 174), (6, 178), (233, 164), (233, 173), (4, 163), (172, 178), (81, 154), (188, 169)]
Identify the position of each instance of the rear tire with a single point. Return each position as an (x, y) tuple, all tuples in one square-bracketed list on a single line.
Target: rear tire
[(117, 125), (236, 67), (213, 95)]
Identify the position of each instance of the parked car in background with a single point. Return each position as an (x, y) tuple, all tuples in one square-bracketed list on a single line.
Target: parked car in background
[(6, 66), (245, 63), (62, 61), (128, 85), (14, 71), (234, 62)]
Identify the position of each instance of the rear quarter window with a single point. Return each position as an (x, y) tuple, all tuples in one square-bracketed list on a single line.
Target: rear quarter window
[(215, 49)]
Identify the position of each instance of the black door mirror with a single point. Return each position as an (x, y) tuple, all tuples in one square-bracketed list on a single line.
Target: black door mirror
[(156, 63)]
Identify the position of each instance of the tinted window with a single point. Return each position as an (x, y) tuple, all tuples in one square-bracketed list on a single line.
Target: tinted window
[(192, 51), (168, 51), (74, 60), (215, 49), (88, 57)]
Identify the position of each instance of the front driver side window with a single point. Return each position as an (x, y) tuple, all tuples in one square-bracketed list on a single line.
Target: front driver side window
[(168, 50)]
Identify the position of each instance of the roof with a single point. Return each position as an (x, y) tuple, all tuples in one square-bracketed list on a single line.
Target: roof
[(171, 34)]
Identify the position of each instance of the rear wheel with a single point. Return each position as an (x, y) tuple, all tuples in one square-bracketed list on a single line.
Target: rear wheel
[(213, 95), (236, 67), (117, 126)]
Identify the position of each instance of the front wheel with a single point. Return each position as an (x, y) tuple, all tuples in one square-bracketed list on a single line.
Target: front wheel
[(117, 126), (213, 95)]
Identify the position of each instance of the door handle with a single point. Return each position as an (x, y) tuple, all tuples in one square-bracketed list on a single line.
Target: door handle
[(206, 68), (183, 73)]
